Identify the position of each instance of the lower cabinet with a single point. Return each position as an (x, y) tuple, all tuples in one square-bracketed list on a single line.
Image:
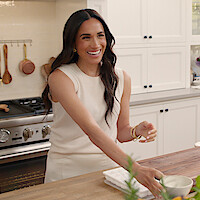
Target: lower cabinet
[(142, 150), (177, 124)]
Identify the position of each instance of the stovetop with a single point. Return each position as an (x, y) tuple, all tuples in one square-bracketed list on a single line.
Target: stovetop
[(23, 107)]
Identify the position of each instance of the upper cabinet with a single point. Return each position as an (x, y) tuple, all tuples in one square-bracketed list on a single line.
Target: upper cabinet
[(194, 21), (195, 18), (153, 69), (146, 21), (150, 41)]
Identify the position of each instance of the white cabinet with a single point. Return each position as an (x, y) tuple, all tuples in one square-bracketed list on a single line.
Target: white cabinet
[(177, 124), (99, 5), (134, 62), (143, 150), (153, 69), (193, 21), (180, 125), (150, 41), (146, 21)]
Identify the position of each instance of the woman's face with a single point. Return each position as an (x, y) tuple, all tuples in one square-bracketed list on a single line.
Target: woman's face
[(90, 42)]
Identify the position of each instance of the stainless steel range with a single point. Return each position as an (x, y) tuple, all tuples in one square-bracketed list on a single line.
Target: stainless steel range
[(24, 128), (24, 143)]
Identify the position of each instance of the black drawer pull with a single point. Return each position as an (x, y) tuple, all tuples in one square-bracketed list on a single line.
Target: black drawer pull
[(17, 138)]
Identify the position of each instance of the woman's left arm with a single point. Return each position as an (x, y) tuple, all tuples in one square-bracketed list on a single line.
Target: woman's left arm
[(124, 130)]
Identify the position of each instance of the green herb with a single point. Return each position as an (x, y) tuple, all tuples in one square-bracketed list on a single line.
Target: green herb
[(131, 191), (164, 193), (197, 188)]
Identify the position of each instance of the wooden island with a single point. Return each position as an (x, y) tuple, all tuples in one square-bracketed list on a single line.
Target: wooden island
[(92, 187)]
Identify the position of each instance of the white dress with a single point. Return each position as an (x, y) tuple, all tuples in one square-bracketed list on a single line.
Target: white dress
[(71, 152)]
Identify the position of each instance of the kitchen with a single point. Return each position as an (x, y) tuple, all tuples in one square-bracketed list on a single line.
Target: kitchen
[(44, 22)]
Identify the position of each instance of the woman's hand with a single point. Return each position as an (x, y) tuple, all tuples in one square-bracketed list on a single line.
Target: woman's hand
[(146, 176), (146, 130)]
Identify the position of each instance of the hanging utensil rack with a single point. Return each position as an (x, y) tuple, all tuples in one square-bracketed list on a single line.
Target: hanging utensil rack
[(16, 42)]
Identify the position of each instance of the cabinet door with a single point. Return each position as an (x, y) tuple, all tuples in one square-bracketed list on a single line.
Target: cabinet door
[(131, 20), (100, 6), (166, 20), (134, 62), (193, 21), (127, 20), (166, 68), (181, 125), (144, 150)]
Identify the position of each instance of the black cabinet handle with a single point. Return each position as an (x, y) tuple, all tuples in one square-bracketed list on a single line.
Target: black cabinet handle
[(150, 86), (145, 86), (150, 36), (145, 37), (161, 111), (166, 110)]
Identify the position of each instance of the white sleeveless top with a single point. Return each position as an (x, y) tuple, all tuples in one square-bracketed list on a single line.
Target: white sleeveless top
[(67, 139)]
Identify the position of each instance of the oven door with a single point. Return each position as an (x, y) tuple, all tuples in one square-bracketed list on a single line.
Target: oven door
[(22, 169)]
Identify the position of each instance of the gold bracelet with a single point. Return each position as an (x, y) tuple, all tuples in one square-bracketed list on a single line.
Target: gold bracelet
[(133, 133)]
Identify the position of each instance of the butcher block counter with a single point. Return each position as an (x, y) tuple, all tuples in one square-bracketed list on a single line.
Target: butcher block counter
[(92, 187)]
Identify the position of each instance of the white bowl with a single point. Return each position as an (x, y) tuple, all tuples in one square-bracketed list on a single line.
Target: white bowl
[(177, 185), (196, 83), (197, 144)]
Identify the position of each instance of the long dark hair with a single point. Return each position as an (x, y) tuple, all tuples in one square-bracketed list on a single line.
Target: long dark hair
[(67, 55)]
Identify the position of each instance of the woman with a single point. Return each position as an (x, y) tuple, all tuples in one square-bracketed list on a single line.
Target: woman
[(90, 100)]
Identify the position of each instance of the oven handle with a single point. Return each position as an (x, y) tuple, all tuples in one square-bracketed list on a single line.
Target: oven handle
[(20, 151)]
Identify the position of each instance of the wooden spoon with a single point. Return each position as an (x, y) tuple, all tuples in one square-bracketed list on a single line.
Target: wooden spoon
[(7, 78)]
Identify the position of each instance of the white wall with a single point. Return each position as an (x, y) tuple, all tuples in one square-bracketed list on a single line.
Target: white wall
[(64, 8), (41, 21)]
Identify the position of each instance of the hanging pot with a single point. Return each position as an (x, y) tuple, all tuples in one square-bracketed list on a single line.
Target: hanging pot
[(26, 66)]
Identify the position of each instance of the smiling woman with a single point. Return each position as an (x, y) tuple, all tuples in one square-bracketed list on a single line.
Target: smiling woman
[(90, 45), (90, 99)]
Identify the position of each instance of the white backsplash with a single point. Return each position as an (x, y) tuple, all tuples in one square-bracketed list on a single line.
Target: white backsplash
[(42, 22)]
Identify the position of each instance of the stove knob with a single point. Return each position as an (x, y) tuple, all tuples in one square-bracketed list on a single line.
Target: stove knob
[(46, 130), (27, 133), (4, 135)]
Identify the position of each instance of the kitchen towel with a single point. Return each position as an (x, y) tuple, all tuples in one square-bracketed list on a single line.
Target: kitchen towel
[(116, 178)]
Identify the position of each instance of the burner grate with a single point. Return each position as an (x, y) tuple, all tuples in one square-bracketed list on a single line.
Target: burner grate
[(23, 107)]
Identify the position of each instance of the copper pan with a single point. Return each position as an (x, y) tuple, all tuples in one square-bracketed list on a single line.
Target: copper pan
[(26, 66)]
